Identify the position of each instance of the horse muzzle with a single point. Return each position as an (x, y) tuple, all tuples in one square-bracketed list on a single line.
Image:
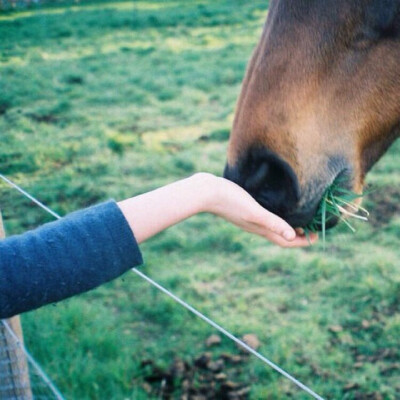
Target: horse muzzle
[(274, 185)]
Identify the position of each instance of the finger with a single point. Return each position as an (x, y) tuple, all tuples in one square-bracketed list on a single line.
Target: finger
[(277, 225), (299, 241)]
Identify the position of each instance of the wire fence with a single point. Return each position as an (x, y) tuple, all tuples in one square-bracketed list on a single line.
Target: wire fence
[(21, 377), (14, 371)]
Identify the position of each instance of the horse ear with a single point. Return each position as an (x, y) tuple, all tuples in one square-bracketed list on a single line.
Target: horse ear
[(383, 17)]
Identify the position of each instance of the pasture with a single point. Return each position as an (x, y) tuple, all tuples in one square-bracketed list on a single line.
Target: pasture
[(110, 99)]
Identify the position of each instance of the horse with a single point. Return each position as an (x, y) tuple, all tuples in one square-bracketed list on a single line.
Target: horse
[(320, 102)]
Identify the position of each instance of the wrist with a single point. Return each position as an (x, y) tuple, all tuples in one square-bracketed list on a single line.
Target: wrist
[(206, 189)]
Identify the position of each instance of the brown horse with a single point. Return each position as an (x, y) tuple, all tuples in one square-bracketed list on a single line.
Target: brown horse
[(320, 100)]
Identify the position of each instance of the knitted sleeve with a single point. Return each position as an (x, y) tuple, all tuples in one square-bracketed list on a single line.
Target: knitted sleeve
[(64, 258)]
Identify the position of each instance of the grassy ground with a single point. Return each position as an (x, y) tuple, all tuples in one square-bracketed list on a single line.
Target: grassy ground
[(107, 100)]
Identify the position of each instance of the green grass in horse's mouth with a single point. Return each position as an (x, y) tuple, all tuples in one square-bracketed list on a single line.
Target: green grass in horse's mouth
[(337, 202)]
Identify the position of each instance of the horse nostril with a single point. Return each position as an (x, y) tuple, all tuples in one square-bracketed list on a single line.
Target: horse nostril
[(269, 179), (258, 178)]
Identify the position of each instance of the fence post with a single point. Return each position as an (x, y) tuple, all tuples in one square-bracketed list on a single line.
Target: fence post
[(14, 372)]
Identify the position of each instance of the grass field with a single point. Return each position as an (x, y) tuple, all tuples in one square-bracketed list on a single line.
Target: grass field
[(111, 99)]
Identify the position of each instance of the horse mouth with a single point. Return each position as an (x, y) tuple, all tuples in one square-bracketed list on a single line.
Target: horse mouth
[(324, 211)]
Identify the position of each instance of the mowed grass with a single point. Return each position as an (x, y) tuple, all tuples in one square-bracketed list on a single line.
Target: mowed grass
[(111, 99)]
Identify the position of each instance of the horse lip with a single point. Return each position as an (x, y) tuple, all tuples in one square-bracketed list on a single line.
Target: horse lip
[(302, 217), (305, 214)]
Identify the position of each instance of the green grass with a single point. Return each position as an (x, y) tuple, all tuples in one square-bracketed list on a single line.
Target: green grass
[(111, 99), (337, 203)]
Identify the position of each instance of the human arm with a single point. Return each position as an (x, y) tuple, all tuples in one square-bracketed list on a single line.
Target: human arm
[(152, 212), (93, 246)]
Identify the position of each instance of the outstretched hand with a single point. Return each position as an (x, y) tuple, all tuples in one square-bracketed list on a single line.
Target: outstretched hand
[(234, 204)]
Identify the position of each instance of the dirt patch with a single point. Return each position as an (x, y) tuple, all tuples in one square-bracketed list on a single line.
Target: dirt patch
[(384, 204), (205, 377)]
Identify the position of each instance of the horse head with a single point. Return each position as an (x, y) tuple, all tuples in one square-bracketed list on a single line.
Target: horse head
[(320, 100)]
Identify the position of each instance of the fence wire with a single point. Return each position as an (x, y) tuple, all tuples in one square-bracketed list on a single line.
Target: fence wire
[(21, 378)]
